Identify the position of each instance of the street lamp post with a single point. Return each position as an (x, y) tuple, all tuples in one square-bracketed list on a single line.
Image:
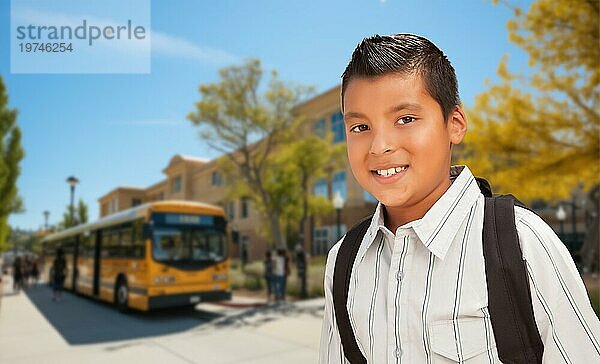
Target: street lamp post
[(72, 181), (338, 203), (46, 214)]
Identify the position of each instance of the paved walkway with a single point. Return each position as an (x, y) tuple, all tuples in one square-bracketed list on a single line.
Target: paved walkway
[(35, 329)]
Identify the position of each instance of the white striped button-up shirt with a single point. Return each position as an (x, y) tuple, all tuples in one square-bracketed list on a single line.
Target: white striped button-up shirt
[(420, 295)]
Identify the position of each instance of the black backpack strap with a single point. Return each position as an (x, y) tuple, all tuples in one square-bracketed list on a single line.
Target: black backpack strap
[(509, 298), (484, 186), (341, 282)]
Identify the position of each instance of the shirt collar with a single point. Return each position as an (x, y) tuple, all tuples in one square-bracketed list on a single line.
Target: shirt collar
[(437, 229)]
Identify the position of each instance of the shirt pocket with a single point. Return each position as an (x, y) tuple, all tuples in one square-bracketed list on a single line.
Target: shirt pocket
[(475, 336)]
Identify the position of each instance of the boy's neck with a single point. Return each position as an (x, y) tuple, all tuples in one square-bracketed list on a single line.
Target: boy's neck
[(394, 217)]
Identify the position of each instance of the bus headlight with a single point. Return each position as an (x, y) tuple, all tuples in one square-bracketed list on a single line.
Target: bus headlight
[(219, 277), (164, 279)]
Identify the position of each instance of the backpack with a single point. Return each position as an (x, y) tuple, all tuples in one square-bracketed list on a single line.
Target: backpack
[(509, 299)]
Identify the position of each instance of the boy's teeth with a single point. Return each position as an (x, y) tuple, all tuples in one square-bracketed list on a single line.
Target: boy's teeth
[(390, 171)]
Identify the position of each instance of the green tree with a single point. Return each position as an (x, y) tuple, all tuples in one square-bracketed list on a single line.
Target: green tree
[(74, 216), (11, 154), (306, 160), (248, 126), (536, 134)]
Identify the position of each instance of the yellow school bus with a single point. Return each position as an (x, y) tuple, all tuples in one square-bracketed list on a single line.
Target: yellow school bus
[(156, 255)]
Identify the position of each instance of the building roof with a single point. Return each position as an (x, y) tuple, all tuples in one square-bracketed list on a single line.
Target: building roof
[(125, 187)]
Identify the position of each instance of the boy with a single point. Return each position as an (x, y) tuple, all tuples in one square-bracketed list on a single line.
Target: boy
[(417, 290)]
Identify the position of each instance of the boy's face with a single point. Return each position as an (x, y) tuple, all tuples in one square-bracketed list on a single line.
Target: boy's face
[(399, 145)]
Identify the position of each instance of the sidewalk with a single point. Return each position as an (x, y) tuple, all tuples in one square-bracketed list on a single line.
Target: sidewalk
[(79, 330)]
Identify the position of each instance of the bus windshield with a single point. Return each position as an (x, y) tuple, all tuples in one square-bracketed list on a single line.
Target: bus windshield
[(187, 245)]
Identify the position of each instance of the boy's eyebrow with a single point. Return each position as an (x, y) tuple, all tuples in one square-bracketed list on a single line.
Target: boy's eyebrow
[(354, 114), (404, 106), (391, 110)]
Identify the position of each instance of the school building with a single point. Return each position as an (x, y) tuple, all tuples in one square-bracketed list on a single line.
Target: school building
[(197, 179)]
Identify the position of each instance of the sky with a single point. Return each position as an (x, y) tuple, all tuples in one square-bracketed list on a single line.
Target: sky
[(110, 130)]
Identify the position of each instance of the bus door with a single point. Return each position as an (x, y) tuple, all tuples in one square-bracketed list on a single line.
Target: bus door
[(97, 248)]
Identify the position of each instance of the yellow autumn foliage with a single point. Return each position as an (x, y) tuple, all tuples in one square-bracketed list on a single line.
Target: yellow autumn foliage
[(537, 134)]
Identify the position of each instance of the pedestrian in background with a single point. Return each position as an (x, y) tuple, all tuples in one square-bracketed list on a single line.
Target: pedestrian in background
[(26, 270), (17, 274), (35, 271), (59, 267), (301, 269), (279, 275), (268, 267)]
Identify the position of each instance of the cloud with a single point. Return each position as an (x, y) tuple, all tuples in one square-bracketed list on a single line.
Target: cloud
[(168, 45)]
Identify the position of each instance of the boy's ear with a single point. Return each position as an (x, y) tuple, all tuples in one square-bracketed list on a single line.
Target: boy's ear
[(457, 125)]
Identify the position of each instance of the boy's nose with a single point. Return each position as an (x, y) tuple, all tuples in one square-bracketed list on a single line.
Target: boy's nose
[(382, 143)]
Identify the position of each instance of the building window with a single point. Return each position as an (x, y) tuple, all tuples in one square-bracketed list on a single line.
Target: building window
[(135, 202), (160, 196), (337, 127), (339, 184), (320, 188), (319, 128), (216, 179), (320, 241), (368, 197), (324, 237), (244, 212), (176, 184), (230, 210)]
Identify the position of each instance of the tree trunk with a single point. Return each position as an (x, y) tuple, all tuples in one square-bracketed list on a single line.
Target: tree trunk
[(304, 211), (590, 249), (276, 231)]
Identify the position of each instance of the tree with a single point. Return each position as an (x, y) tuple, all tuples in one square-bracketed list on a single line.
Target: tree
[(11, 154), (74, 216), (536, 134), (305, 160), (248, 127)]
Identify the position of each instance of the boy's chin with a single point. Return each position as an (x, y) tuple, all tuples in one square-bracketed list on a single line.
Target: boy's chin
[(392, 200)]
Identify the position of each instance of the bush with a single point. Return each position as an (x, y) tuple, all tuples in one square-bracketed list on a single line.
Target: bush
[(252, 278)]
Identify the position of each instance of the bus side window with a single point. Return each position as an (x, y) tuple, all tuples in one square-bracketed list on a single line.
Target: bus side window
[(138, 245), (126, 250), (109, 244)]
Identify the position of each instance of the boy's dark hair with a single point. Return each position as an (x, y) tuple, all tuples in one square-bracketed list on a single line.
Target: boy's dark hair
[(405, 54)]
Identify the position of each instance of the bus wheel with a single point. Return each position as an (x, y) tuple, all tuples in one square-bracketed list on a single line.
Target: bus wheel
[(122, 296)]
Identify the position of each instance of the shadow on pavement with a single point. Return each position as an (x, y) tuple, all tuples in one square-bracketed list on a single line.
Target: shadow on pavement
[(81, 320), (261, 315)]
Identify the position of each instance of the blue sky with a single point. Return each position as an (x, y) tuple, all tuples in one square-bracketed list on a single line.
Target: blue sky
[(111, 130)]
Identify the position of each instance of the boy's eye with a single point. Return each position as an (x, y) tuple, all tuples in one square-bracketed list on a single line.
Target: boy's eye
[(406, 120), (359, 128)]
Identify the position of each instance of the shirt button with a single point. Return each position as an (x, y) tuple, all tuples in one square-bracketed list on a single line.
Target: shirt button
[(398, 352), (399, 275)]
